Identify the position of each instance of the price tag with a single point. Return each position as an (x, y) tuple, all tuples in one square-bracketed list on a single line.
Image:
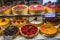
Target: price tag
[(8, 38), (50, 15)]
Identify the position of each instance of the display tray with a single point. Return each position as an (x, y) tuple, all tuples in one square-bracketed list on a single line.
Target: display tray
[(38, 37)]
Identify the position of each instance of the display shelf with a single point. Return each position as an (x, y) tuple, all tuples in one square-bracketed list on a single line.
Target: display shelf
[(38, 37)]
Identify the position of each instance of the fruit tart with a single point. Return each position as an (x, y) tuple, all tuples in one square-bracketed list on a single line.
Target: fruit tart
[(50, 8), (37, 21), (19, 21), (5, 10), (20, 9), (54, 20), (29, 30), (4, 22), (34, 9), (11, 31), (48, 30)]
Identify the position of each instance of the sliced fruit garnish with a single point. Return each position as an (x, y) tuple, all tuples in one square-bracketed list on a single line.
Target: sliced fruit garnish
[(3, 20), (4, 6), (19, 6)]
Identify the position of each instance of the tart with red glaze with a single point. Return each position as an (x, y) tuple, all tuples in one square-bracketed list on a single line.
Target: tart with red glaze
[(20, 9), (11, 31), (19, 21), (36, 9), (29, 31), (5, 9)]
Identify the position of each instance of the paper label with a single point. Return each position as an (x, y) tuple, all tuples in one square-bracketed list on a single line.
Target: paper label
[(50, 15)]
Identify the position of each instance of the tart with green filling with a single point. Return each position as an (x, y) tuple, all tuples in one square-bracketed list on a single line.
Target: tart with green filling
[(11, 31), (48, 30), (29, 31)]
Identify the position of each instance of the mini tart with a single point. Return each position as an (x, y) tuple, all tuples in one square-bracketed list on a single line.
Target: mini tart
[(37, 21), (19, 21), (33, 9), (5, 10), (11, 31), (29, 31), (20, 9), (4, 22), (48, 30)]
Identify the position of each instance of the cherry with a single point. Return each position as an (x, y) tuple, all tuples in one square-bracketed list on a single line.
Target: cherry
[(22, 21), (3, 6), (3, 20), (18, 21), (14, 21), (19, 6)]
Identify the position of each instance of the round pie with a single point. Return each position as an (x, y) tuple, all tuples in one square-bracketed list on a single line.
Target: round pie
[(5, 10), (20, 9), (34, 9), (11, 31), (19, 21), (48, 30), (29, 31), (4, 22)]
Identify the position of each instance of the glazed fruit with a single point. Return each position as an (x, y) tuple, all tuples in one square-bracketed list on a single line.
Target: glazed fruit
[(36, 9), (29, 30), (19, 21), (11, 31), (48, 30)]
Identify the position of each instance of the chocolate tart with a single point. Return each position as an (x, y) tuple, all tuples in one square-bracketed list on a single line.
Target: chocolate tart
[(20, 9), (4, 22), (48, 30), (29, 31), (5, 10), (36, 9), (53, 20), (19, 21), (11, 31)]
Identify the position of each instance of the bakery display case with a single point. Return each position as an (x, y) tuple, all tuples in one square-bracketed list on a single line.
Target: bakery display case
[(22, 20)]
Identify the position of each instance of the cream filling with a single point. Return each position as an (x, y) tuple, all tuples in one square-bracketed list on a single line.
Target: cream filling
[(36, 22)]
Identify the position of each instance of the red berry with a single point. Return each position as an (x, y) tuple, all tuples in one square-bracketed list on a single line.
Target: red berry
[(19, 6), (14, 21), (18, 21), (3, 20), (3, 6)]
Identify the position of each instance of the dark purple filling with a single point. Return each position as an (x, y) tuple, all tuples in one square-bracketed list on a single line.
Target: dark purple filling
[(52, 19), (10, 32)]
